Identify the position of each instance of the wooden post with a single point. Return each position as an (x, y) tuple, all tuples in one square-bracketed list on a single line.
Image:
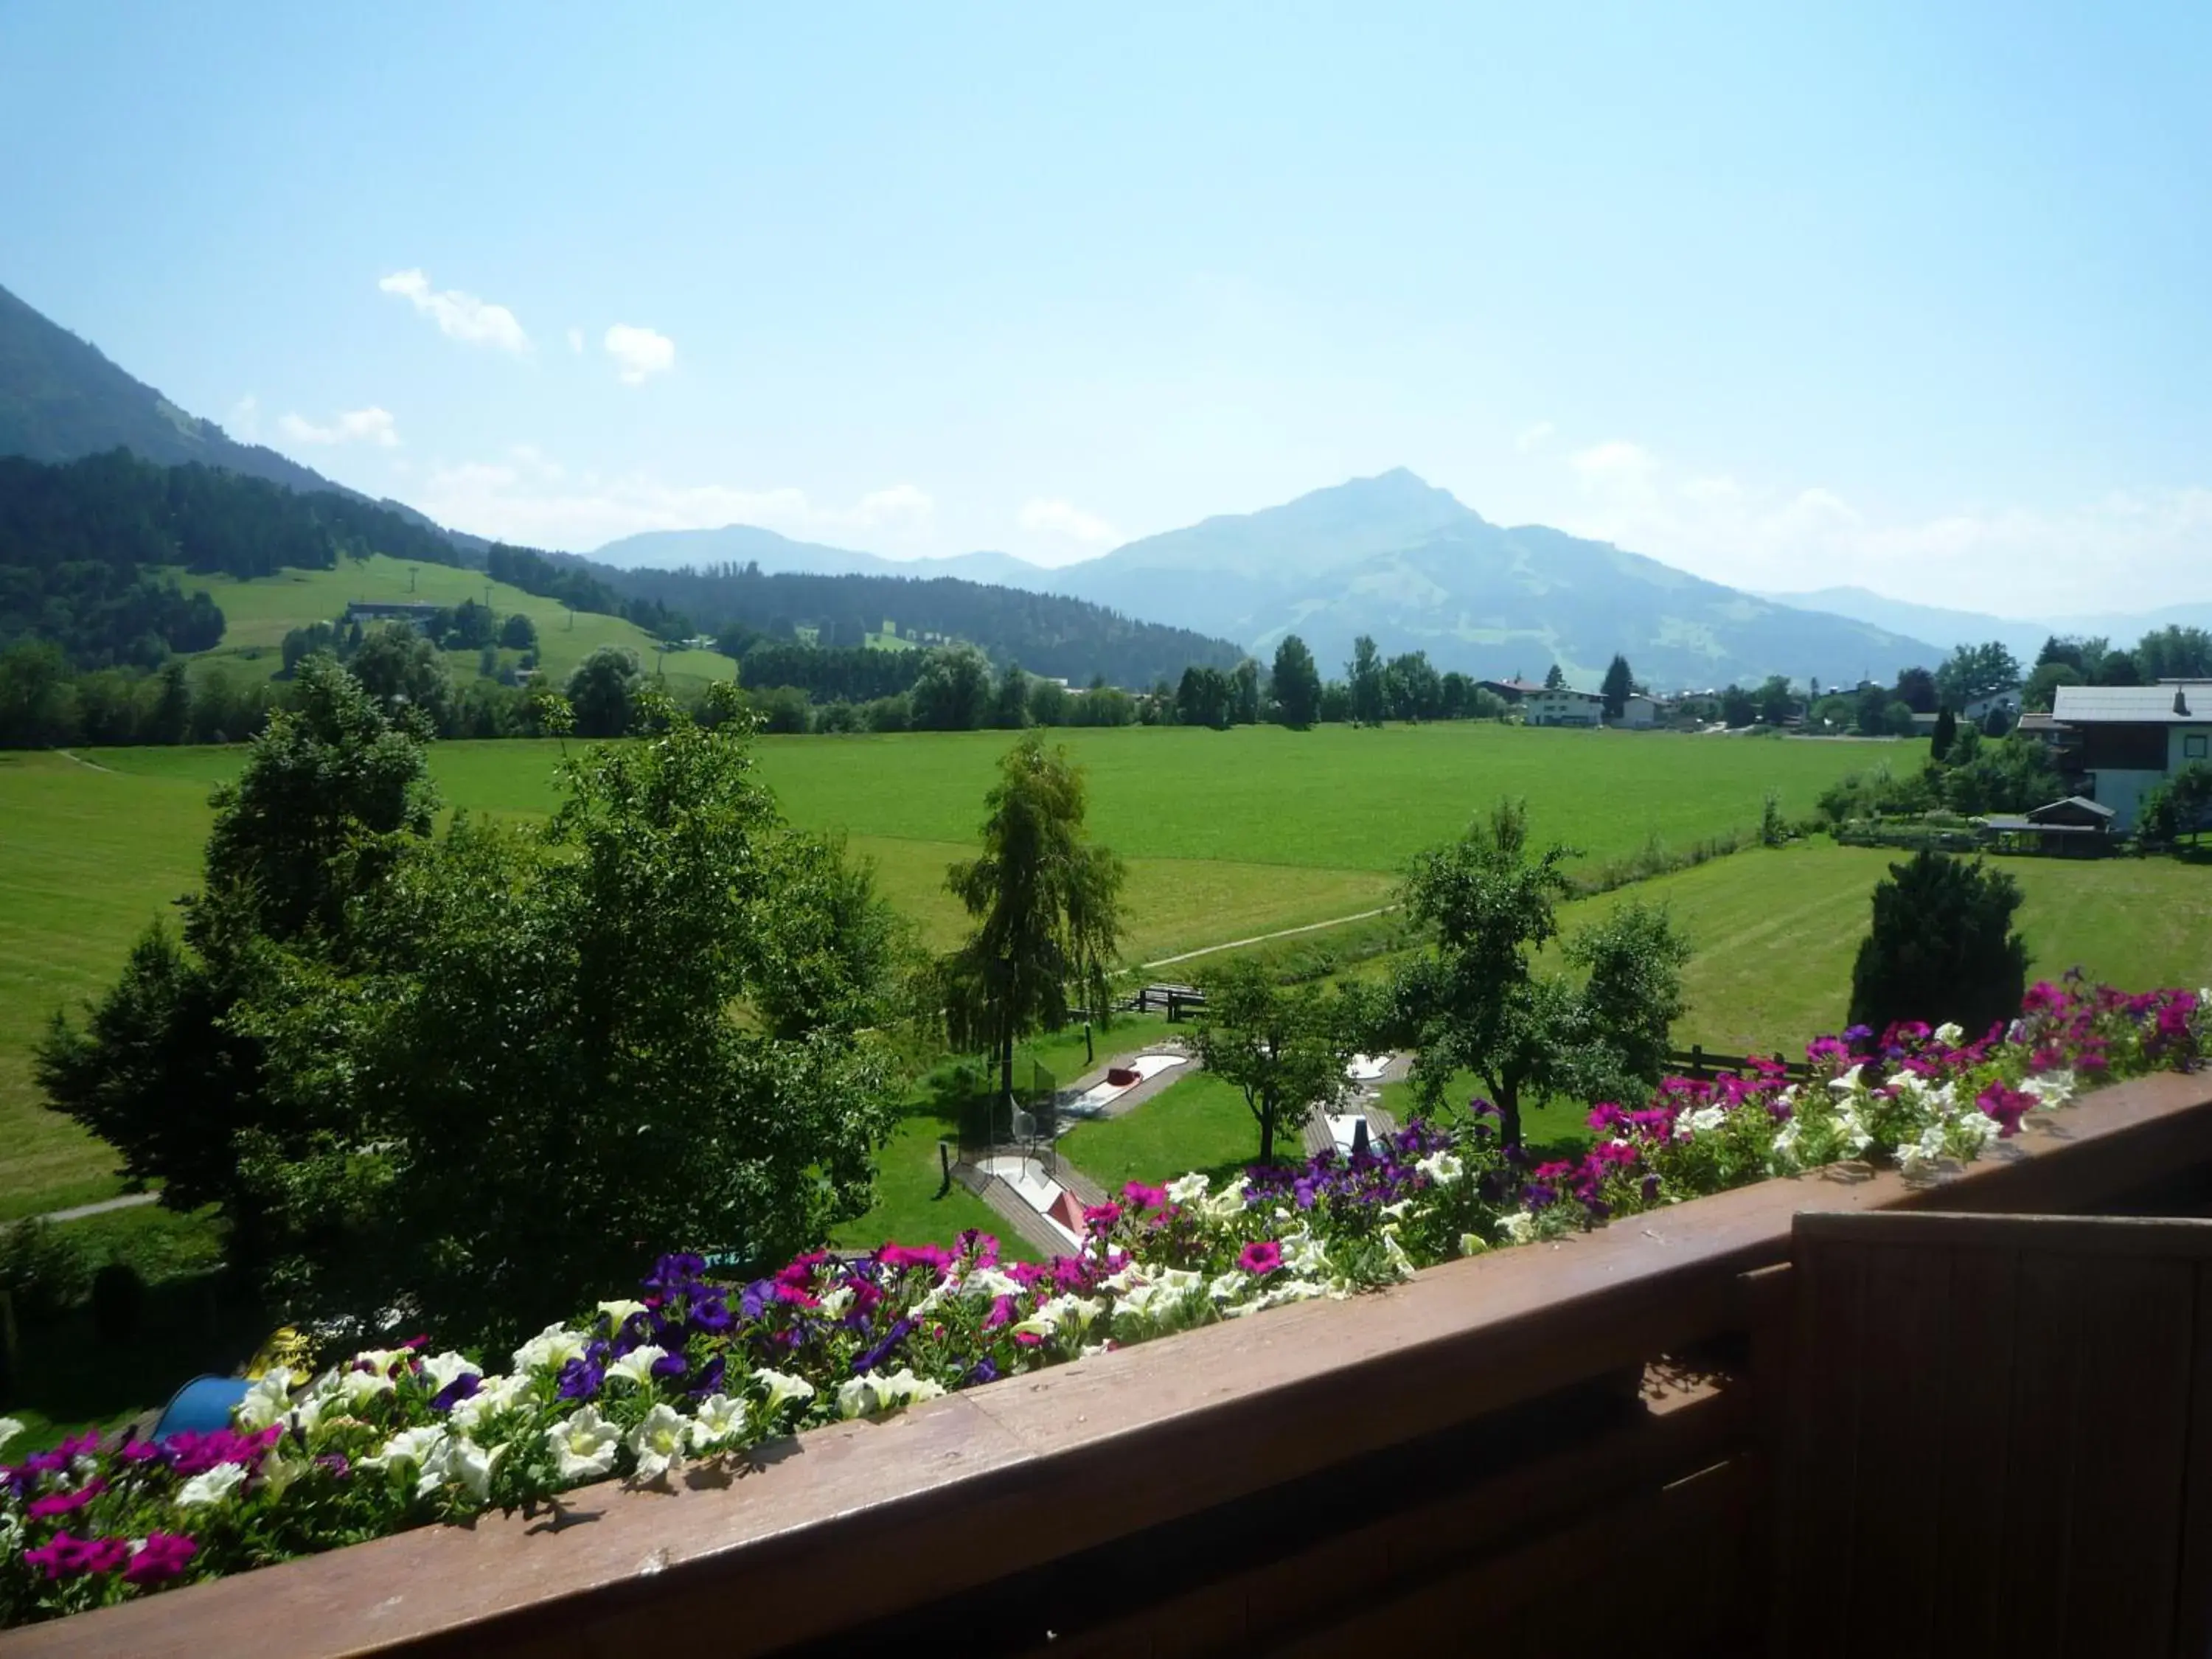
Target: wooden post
[(944, 1168), (1698, 1061)]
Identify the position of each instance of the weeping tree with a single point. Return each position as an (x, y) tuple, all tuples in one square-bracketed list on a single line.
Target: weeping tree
[(1047, 910)]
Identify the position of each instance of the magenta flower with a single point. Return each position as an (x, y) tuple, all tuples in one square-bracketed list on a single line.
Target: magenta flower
[(63, 1502), (1261, 1257), (160, 1556), (73, 1558), (2007, 1106), (1101, 1217), (1144, 1197)]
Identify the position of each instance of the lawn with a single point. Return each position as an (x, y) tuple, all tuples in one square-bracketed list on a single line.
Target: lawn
[(1227, 836), (913, 1206), (1775, 933), (1198, 1123), (257, 613)]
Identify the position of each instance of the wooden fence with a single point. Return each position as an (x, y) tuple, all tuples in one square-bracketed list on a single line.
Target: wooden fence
[(1565, 1448), (1695, 1062)]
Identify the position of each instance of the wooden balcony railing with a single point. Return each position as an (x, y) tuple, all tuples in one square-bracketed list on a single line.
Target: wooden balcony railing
[(1558, 1449)]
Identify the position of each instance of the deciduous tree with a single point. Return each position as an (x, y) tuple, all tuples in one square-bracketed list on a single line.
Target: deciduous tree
[(1286, 1048)]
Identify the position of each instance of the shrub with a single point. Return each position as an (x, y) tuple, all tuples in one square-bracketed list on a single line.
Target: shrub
[(44, 1271), (119, 1299), (1942, 946)]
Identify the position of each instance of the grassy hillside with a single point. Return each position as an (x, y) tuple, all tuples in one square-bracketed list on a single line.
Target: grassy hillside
[(258, 613), (1227, 834)]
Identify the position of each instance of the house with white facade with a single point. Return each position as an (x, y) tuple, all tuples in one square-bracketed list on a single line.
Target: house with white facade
[(1639, 712), (1557, 706), (2127, 739)]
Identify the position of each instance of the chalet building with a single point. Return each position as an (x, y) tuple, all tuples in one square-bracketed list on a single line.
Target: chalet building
[(377, 611), (1557, 706), (1512, 691), (1639, 713), (2125, 740)]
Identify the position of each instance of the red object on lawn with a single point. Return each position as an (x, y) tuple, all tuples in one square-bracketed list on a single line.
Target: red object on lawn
[(1121, 1076)]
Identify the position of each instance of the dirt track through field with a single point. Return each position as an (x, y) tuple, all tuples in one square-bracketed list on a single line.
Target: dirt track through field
[(1261, 938)]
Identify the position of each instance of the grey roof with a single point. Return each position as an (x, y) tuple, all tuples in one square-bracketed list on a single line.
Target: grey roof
[(2081, 801), (2135, 705)]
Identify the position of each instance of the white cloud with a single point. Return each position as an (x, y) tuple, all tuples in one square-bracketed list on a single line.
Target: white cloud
[(526, 497), (576, 341), (1060, 517), (459, 316), (1535, 437), (245, 422), (638, 353), (371, 426), (2125, 551)]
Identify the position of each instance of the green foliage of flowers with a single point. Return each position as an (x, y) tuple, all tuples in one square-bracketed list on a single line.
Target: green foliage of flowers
[(695, 1369)]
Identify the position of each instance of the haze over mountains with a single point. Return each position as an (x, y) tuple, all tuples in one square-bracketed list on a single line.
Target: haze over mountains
[(1391, 555)]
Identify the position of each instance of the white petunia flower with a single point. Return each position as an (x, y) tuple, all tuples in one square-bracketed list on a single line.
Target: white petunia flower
[(1948, 1033), (782, 1387), (493, 1395), (1849, 1082), (268, 1401), (459, 1461), (1703, 1121), (1856, 1136), (210, 1485), (621, 1309), (414, 1446), (2052, 1089), (835, 1302), (10, 1428), (550, 1349), (1442, 1168), (636, 1366), (658, 1441), (1187, 1190), (1916, 1157), (718, 1420), (584, 1444), (443, 1370), (1473, 1244), (357, 1387), (903, 1388), (857, 1397), (1519, 1227), (989, 1284)]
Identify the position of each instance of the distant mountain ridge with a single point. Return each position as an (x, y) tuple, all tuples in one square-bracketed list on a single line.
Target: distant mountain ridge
[(2023, 635), (745, 543), (1396, 557)]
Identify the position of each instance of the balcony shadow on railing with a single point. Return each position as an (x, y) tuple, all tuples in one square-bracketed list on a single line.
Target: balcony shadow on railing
[(1559, 1448)]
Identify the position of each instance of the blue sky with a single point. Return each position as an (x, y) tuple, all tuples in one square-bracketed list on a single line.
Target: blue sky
[(1916, 296)]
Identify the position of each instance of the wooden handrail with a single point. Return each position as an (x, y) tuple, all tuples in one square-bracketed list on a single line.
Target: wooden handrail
[(859, 1523)]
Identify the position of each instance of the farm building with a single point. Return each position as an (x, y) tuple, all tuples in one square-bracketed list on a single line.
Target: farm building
[(1560, 706), (406, 611), (1639, 712), (2075, 827), (2127, 739), (1512, 691)]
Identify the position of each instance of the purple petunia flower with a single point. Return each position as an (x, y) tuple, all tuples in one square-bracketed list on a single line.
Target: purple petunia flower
[(66, 1557), (63, 1502)]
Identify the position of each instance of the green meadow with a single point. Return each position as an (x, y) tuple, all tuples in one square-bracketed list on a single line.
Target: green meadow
[(1227, 836), (257, 613)]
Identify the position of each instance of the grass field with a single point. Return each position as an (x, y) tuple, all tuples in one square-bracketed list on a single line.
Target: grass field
[(1228, 835), (258, 613)]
